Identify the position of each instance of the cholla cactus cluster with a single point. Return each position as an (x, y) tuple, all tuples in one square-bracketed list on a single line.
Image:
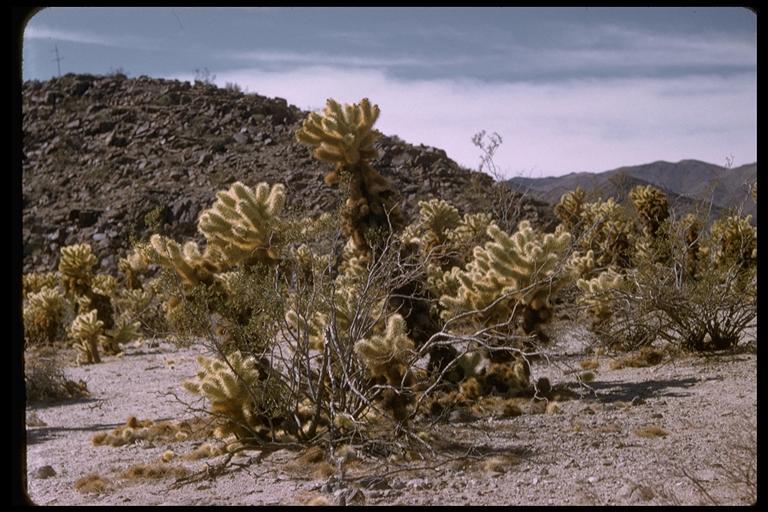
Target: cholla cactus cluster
[(76, 264), (735, 241), (607, 232), (244, 223), (88, 332), (387, 356), (241, 227), (134, 265), (652, 207), (570, 208), (344, 136), (88, 294), (192, 266), (512, 275), (36, 281), (105, 284), (437, 219), (597, 295), (239, 390), (44, 314)]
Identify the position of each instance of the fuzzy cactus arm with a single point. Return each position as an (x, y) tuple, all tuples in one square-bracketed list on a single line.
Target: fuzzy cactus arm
[(343, 134), (393, 347), (186, 261), (242, 223), (570, 207), (34, 282), (43, 314), (76, 264), (88, 333), (651, 205)]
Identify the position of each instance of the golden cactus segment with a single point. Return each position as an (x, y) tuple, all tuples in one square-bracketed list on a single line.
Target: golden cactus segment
[(43, 314), (472, 230), (133, 264), (607, 232), (579, 265), (105, 284), (437, 217), (570, 207), (343, 134), (597, 294), (243, 222), (735, 241), (123, 332), (88, 332), (186, 261), (36, 281), (393, 348), (231, 388), (76, 264), (652, 206), (511, 270)]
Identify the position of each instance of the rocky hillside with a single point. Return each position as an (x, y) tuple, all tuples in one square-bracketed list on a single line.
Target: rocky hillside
[(690, 184), (104, 155)]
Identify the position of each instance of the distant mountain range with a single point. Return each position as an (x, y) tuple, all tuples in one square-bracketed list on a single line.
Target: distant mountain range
[(689, 184)]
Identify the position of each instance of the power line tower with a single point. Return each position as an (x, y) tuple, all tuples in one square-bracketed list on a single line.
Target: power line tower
[(58, 58)]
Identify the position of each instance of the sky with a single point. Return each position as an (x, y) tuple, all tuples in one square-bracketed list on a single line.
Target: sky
[(567, 89)]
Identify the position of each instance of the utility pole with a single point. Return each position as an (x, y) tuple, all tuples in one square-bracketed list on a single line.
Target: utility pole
[(58, 58)]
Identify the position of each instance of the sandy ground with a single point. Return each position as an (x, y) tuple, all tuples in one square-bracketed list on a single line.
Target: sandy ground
[(590, 452)]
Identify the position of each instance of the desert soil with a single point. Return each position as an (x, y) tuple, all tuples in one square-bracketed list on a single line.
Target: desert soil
[(591, 451)]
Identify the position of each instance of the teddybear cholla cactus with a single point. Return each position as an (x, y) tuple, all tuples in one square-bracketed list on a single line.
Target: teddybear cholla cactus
[(344, 136), (652, 207), (244, 223), (519, 273), (569, 209), (76, 264), (607, 232), (133, 265), (105, 284), (598, 297), (437, 218), (240, 227), (88, 332), (386, 356), (237, 390), (735, 241), (36, 281), (43, 315)]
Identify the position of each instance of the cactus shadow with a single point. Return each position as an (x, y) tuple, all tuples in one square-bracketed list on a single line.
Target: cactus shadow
[(41, 434), (622, 391)]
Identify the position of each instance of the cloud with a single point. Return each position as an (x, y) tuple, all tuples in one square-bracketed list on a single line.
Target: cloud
[(42, 32), (325, 59), (548, 128)]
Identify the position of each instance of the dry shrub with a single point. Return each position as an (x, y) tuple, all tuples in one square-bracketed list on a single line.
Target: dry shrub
[(45, 381), (92, 483), (589, 364)]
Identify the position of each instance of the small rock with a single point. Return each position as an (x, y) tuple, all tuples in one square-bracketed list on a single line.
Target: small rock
[(241, 138), (45, 472)]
